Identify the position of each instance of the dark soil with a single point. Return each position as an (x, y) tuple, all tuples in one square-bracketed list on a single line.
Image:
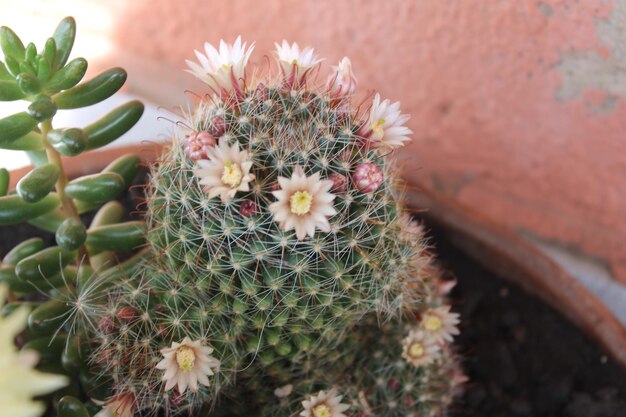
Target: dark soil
[(522, 357)]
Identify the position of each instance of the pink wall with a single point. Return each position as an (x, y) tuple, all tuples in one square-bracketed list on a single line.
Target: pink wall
[(518, 105)]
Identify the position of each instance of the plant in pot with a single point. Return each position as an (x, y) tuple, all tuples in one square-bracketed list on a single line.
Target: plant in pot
[(276, 273)]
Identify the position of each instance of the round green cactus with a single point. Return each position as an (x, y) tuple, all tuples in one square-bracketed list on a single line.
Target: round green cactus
[(277, 228)]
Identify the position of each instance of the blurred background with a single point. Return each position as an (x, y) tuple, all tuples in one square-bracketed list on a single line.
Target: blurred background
[(518, 106)]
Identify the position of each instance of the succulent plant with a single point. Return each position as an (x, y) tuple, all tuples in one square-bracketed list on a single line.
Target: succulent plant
[(58, 282), (282, 252)]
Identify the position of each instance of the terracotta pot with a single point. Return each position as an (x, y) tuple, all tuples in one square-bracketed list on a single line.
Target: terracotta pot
[(496, 247)]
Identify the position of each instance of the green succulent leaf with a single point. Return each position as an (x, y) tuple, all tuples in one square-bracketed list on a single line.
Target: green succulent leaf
[(4, 73), (28, 83), (64, 41), (13, 66), (11, 44), (14, 127), (111, 212), (96, 188), (49, 348), (23, 250), (93, 91), (43, 264), (38, 183), (8, 278), (127, 166), (32, 141), (49, 222), (73, 357), (4, 181), (114, 124), (69, 142), (67, 77), (117, 237), (27, 68), (44, 70), (30, 54), (71, 234), (71, 407), (10, 91), (15, 210), (50, 51), (42, 108)]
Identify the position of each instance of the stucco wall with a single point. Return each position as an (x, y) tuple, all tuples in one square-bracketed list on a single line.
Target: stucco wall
[(518, 105)]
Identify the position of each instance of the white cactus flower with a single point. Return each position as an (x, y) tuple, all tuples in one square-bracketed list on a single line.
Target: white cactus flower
[(440, 324), (304, 203), (186, 364), (223, 69), (342, 83), (295, 62), (419, 350), (386, 125), (226, 171), (324, 404)]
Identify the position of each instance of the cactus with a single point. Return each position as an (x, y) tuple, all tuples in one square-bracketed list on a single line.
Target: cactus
[(68, 278), (280, 245), (281, 275)]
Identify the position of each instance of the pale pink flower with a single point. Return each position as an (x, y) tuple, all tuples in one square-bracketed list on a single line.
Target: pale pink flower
[(304, 203), (295, 62), (324, 404), (418, 349), (122, 405), (386, 125), (197, 145), (186, 364), (440, 324), (367, 177), (341, 82), (223, 69), (226, 171)]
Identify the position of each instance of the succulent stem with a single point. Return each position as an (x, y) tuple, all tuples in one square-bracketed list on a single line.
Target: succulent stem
[(68, 205)]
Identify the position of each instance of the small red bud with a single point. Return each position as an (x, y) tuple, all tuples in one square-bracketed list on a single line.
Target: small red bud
[(126, 314), (247, 208), (340, 182)]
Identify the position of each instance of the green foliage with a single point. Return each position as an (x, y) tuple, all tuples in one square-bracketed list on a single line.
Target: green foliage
[(63, 276)]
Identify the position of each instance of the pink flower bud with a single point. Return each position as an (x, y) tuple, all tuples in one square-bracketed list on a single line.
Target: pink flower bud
[(127, 314), (261, 92), (197, 145), (106, 325), (218, 126), (367, 177), (340, 182), (247, 208), (394, 384), (341, 82)]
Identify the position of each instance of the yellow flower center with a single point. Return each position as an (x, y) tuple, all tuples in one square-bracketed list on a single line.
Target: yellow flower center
[(300, 202), (321, 410), (377, 127), (186, 358), (416, 350), (294, 62), (232, 174), (433, 323)]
